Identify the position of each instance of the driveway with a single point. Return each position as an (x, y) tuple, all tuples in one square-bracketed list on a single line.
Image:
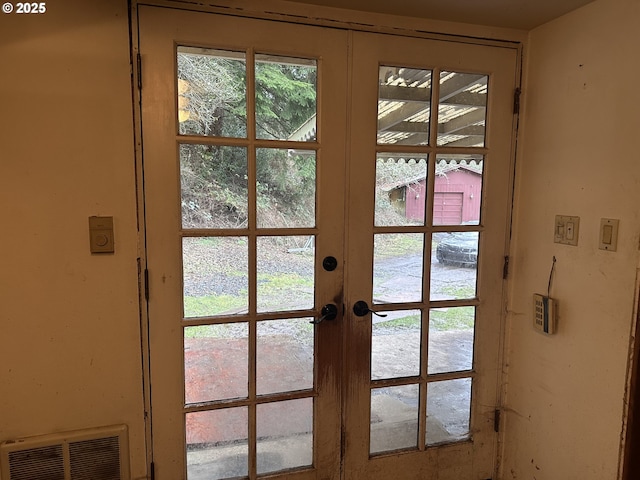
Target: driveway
[(399, 279)]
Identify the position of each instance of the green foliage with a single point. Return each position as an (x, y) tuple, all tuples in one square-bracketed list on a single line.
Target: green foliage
[(397, 245), (284, 290), (214, 179), (442, 319), (224, 330), (212, 305), (391, 172), (454, 318), (269, 284), (389, 175), (215, 96), (460, 291), (214, 186), (408, 322), (285, 98), (285, 188)]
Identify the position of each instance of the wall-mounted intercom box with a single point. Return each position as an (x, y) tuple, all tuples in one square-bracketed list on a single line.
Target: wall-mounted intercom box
[(544, 313)]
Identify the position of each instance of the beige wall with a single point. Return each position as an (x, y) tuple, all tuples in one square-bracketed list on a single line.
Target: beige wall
[(69, 322), (578, 156)]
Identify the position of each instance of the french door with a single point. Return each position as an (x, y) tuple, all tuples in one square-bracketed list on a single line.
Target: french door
[(326, 215)]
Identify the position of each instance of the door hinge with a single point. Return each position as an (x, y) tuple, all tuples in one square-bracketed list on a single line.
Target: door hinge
[(139, 63), (516, 100), (496, 420), (146, 284), (505, 267), (152, 471)]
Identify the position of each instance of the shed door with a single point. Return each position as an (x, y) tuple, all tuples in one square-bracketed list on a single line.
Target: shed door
[(447, 208), (299, 324)]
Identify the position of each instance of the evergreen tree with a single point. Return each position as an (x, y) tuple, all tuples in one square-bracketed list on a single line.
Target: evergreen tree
[(213, 102)]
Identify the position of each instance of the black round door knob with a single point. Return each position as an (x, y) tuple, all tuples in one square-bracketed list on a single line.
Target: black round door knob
[(328, 312), (361, 308), (329, 263)]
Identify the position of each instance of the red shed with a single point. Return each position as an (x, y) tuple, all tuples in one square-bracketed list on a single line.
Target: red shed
[(456, 199)]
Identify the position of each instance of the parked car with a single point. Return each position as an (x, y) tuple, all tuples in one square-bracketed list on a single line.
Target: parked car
[(458, 249)]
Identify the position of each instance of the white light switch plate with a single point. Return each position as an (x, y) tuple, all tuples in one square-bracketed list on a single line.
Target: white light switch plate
[(609, 234)]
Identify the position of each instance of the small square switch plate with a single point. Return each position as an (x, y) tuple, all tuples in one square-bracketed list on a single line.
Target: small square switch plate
[(609, 234), (566, 230), (101, 234)]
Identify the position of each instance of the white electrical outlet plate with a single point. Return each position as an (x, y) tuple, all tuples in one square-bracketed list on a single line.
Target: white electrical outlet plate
[(566, 230), (544, 313)]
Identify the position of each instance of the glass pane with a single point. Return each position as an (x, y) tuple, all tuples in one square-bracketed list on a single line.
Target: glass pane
[(401, 189), (212, 92), (217, 444), (285, 98), (458, 190), (397, 267), (285, 435), (395, 344), (285, 273), (284, 355), (451, 333), (215, 275), (286, 188), (404, 96), (216, 359), (213, 182), (394, 418), (448, 411), (454, 270), (462, 110)]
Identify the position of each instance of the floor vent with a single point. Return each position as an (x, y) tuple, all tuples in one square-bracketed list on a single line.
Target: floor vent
[(93, 454)]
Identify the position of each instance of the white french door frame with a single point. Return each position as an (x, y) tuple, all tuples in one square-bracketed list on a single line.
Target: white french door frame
[(144, 285)]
